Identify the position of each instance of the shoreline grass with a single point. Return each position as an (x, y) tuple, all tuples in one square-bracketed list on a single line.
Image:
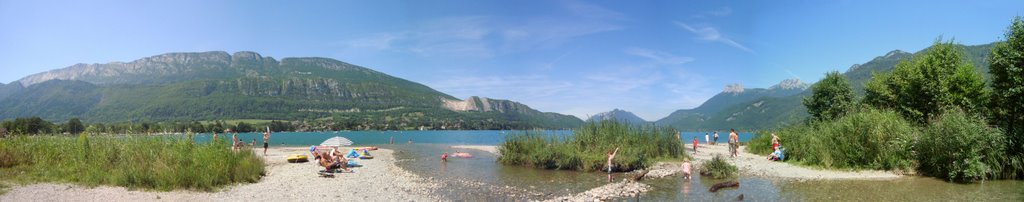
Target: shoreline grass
[(869, 139), (717, 168), (158, 163), (586, 149)]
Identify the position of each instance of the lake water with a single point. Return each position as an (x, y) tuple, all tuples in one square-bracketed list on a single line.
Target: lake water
[(483, 179)]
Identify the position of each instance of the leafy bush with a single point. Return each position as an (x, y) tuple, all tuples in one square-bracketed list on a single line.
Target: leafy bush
[(920, 88), (1007, 103), (831, 98), (868, 139), (586, 149), (162, 163), (961, 148), (717, 168)]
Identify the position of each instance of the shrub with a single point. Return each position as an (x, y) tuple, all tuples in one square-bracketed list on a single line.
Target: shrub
[(587, 147), (962, 148), (867, 139), (717, 168)]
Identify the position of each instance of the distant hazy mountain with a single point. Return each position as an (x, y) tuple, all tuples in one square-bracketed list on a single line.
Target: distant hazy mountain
[(733, 103), (618, 115), (218, 85), (749, 109)]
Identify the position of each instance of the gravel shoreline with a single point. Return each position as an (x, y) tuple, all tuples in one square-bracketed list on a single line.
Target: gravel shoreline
[(379, 179)]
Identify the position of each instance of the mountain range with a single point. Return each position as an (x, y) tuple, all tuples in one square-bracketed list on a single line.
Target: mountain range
[(245, 85), (618, 115), (758, 108)]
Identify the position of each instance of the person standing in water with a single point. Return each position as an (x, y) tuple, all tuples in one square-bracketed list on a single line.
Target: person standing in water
[(686, 169), (266, 140), (611, 155)]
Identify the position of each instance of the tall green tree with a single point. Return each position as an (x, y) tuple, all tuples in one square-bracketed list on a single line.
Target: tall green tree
[(1006, 64), (74, 126), (831, 98), (921, 88)]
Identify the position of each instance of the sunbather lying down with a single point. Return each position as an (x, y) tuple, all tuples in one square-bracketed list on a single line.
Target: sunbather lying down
[(333, 160)]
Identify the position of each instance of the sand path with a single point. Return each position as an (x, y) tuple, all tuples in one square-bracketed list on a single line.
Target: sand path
[(378, 180)]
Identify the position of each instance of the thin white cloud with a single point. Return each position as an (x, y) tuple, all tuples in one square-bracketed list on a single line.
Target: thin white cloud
[(546, 33), (659, 56), (711, 34), (587, 10), (478, 36), (720, 12)]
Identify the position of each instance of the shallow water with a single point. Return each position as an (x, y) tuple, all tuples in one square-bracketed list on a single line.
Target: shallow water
[(483, 179)]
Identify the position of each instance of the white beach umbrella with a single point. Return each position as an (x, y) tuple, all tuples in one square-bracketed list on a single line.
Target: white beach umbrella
[(336, 142)]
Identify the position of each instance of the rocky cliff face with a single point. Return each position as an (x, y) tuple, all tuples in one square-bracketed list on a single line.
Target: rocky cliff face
[(733, 88), (790, 84), (483, 104), (156, 69)]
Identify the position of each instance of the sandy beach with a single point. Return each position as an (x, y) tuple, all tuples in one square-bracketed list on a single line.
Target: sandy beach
[(486, 148), (379, 179)]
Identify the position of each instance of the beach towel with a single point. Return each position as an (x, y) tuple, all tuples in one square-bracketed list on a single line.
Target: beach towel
[(352, 154)]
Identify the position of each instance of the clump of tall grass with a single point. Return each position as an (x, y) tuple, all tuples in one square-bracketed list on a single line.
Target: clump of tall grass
[(160, 163), (961, 148), (717, 168), (587, 148), (867, 139)]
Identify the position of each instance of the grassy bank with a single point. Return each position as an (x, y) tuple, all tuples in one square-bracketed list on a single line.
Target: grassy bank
[(160, 163), (870, 139), (586, 149), (954, 145)]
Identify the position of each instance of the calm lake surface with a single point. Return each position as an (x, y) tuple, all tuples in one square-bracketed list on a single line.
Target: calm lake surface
[(482, 179)]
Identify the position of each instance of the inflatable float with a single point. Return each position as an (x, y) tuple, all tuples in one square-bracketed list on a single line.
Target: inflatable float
[(462, 155), (297, 158)]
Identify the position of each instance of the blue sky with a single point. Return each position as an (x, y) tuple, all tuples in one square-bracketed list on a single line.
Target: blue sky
[(574, 57)]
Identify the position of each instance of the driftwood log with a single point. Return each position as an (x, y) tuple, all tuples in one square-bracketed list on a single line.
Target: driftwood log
[(639, 176), (715, 187)]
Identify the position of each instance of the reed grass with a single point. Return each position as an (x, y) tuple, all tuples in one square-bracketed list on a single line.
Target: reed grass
[(160, 163), (867, 139), (962, 148), (587, 148)]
